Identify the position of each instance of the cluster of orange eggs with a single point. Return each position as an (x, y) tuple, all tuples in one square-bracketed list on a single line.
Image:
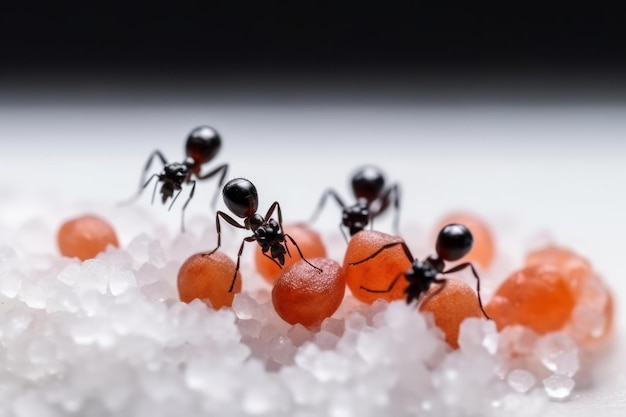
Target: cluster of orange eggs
[(545, 295)]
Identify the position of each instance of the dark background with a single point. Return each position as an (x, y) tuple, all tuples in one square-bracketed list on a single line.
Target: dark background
[(268, 37)]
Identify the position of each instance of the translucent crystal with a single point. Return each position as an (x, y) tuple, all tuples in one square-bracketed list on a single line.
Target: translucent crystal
[(558, 353), (521, 380), (558, 386)]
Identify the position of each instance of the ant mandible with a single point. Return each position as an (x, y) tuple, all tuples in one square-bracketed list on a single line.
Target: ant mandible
[(203, 143), (453, 242), (372, 199), (241, 198)]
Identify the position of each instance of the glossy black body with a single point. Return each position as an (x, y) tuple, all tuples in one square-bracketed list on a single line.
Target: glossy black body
[(453, 242), (241, 197), (372, 199), (202, 144)]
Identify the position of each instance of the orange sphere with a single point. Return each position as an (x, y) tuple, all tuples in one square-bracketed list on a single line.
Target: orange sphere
[(580, 277), (483, 249), (537, 297), (208, 278), (376, 273), (575, 268), (308, 241), (304, 295), (451, 306), (85, 237)]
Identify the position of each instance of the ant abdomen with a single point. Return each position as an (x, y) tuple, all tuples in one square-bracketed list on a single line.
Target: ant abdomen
[(203, 143)]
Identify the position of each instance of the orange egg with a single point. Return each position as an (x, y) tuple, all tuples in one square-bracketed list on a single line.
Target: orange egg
[(208, 278), (303, 294), (308, 241), (588, 289), (537, 297), (576, 269), (483, 249), (85, 237), (376, 273), (451, 306)]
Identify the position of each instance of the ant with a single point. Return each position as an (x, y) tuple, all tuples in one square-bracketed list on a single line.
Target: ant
[(372, 199), (453, 242), (203, 143), (241, 198)]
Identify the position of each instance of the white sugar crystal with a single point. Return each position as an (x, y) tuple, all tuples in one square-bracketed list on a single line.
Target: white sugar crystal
[(121, 280), (14, 322), (558, 353), (299, 334), (326, 340), (521, 380), (476, 334), (245, 307), (250, 327), (334, 326), (518, 340), (10, 283), (558, 386), (371, 346), (355, 321), (33, 296), (282, 350)]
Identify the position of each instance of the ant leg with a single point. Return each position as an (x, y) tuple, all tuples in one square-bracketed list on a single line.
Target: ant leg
[(387, 246), (182, 216), (322, 202), (390, 195), (435, 293), (247, 239), (391, 285), (154, 154), (270, 211), (141, 188), (224, 169), (273, 260), (343, 232), (230, 221), (463, 266), (300, 253)]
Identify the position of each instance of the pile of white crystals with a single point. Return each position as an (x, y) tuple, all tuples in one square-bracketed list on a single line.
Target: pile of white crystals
[(108, 337)]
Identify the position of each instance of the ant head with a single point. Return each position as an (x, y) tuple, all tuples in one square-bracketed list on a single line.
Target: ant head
[(368, 182), (454, 242), (241, 197), (203, 143)]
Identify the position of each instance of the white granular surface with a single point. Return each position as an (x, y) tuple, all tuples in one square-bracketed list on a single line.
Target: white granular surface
[(109, 336)]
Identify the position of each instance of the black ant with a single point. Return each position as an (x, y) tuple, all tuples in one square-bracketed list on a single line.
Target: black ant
[(372, 199), (453, 242), (241, 198), (203, 143)]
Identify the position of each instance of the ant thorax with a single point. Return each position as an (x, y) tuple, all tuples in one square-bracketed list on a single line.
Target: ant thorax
[(436, 262), (175, 172), (357, 216)]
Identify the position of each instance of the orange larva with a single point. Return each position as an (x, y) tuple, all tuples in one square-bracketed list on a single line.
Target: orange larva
[(377, 273), (538, 297), (208, 278), (308, 241), (304, 295), (451, 306), (86, 236)]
